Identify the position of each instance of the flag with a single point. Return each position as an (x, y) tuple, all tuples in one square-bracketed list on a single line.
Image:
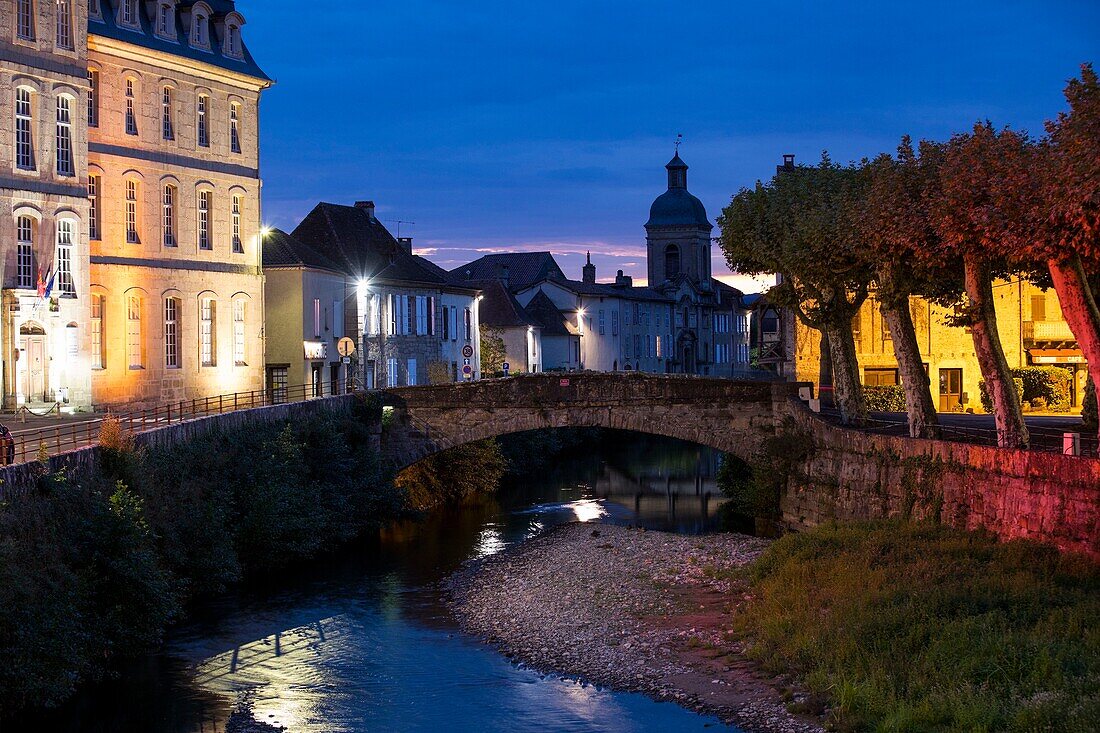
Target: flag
[(45, 287)]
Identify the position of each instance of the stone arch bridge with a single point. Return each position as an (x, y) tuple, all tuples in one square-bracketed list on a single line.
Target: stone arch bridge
[(732, 416)]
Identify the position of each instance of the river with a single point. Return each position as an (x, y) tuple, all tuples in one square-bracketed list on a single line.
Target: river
[(361, 641)]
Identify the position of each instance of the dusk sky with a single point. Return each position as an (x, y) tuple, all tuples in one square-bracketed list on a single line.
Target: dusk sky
[(505, 126)]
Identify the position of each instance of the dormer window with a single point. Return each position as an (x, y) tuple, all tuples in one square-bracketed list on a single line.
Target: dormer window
[(166, 21), (229, 28), (200, 28), (128, 14), (233, 41)]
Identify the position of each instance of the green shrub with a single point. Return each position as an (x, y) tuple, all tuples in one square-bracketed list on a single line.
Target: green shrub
[(1049, 383), (454, 475), (885, 398), (904, 627), (1088, 407), (93, 571)]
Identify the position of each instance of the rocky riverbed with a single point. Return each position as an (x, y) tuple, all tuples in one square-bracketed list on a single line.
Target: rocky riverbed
[(629, 609)]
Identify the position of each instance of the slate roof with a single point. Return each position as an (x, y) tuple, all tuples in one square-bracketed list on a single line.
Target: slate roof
[(524, 268), (499, 308), (148, 39), (282, 250), (547, 316), (609, 290), (362, 247)]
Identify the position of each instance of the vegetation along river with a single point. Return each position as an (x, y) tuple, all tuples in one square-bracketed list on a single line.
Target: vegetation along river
[(363, 641)]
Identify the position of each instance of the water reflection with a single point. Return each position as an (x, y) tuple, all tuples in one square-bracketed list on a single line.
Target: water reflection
[(362, 641)]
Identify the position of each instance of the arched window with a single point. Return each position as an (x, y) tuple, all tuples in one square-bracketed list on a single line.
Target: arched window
[(672, 261), (93, 98), (208, 329), (239, 351), (165, 20), (24, 236), (235, 127), (133, 221), (233, 40), (203, 107), (24, 129), (133, 332), (238, 244), (199, 32), (65, 24), (168, 215), (172, 333), (99, 357), (168, 127), (205, 240), (64, 132), (66, 238), (131, 117)]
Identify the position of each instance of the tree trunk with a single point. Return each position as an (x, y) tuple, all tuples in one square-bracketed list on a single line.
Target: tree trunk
[(847, 389), (825, 370), (1007, 413), (914, 379), (1079, 309)]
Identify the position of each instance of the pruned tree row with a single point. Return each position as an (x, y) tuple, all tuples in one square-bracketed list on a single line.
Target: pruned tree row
[(938, 220)]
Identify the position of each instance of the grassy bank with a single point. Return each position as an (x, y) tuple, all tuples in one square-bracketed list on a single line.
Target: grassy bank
[(94, 570), (898, 627)]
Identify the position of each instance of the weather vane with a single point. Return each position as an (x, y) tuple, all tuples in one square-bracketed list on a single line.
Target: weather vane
[(679, 139)]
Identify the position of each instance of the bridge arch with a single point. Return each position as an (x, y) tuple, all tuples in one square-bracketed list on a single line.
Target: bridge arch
[(730, 416)]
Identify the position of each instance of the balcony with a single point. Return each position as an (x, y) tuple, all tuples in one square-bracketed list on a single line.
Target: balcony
[(1047, 332)]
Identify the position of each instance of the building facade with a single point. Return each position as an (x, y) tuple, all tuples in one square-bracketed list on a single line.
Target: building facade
[(682, 322), (413, 324), (1029, 321), (44, 336), (304, 300), (130, 202), (176, 286)]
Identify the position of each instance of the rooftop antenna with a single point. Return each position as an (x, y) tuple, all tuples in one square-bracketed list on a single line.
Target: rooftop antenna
[(679, 140), (399, 222)]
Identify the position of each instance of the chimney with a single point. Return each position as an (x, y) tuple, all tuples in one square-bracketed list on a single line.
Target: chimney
[(788, 164), (588, 272), (406, 244), (368, 205), (623, 281)]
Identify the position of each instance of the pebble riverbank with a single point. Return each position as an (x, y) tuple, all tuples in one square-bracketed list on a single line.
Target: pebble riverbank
[(628, 609)]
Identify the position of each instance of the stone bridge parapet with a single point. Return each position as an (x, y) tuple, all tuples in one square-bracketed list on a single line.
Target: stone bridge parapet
[(731, 416)]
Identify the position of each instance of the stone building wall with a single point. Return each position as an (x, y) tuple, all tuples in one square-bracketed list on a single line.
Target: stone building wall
[(51, 334), (157, 267)]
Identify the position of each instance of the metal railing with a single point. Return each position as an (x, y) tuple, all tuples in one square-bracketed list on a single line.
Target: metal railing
[(1044, 439), (67, 436)]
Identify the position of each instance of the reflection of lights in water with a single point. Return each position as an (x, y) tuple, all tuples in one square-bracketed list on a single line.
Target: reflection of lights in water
[(489, 542), (533, 529), (276, 673), (587, 510)]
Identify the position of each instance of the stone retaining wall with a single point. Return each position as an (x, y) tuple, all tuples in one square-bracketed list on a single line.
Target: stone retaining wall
[(1014, 494)]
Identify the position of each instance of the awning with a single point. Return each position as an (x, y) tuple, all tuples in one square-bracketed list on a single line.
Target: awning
[(1056, 356)]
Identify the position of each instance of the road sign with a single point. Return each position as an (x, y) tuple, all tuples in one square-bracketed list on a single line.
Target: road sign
[(345, 359), (506, 367), (345, 347), (563, 382), (465, 362), (467, 371), (467, 351)]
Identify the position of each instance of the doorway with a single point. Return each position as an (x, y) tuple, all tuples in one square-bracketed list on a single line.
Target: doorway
[(34, 373), (951, 390)]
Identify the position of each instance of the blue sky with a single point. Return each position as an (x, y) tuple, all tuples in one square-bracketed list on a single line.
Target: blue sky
[(498, 126)]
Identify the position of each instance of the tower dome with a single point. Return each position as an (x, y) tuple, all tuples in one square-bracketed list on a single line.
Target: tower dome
[(676, 207)]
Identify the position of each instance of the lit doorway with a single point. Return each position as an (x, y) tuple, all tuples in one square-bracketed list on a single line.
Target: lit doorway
[(951, 390), (34, 380)]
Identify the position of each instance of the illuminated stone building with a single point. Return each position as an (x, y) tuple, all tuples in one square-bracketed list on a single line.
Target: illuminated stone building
[(1029, 321), (44, 337), (175, 295)]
